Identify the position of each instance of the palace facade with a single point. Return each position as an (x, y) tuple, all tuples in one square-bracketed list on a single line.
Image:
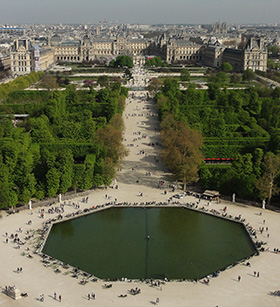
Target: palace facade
[(95, 50), (25, 56)]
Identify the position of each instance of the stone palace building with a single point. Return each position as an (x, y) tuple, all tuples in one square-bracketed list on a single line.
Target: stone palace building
[(25, 56)]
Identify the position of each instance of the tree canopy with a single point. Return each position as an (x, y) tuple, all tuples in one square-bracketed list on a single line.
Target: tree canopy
[(69, 140), (267, 182), (155, 61), (237, 125), (226, 67), (122, 61), (185, 75), (182, 149)]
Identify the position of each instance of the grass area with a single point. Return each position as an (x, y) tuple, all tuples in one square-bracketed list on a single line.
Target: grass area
[(204, 78), (238, 84), (88, 68), (193, 78), (176, 69), (171, 77), (82, 78)]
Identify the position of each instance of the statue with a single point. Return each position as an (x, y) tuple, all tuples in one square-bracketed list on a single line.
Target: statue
[(233, 197), (263, 204)]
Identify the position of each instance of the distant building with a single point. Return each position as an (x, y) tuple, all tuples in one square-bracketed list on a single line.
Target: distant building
[(26, 58), (255, 54), (12, 30), (252, 56), (5, 62), (21, 57), (212, 54), (180, 51), (97, 49), (220, 28), (5, 59)]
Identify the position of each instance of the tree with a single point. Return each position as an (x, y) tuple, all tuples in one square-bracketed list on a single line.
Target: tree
[(274, 142), (271, 170), (103, 81), (8, 196), (213, 90), (182, 149), (154, 86), (155, 61), (40, 129), (52, 177), (226, 67), (108, 171), (48, 82), (221, 77), (249, 75), (185, 75), (235, 78), (111, 140), (122, 61), (244, 177), (65, 166), (274, 50), (151, 62), (70, 95), (117, 122), (255, 104)]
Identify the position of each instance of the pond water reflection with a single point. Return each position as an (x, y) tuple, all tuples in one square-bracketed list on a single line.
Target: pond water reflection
[(149, 243)]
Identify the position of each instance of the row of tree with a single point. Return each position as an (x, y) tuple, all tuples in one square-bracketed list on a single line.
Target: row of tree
[(240, 124), (72, 140), (18, 84)]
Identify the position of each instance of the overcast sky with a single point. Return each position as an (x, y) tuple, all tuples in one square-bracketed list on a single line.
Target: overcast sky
[(139, 11)]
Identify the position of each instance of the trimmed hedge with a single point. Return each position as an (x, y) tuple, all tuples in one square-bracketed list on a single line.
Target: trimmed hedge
[(19, 83), (79, 150)]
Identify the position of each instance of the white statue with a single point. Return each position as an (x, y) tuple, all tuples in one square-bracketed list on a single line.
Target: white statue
[(233, 197), (263, 204), (30, 205)]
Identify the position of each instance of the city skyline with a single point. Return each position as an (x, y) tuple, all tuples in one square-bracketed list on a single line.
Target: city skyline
[(142, 11)]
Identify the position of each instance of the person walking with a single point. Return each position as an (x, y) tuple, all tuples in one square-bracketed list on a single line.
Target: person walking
[(59, 298), (239, 278), (54, 295), (157, 301)]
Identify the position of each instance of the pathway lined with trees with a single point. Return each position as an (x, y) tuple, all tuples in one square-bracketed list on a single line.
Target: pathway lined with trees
[(142, 165)]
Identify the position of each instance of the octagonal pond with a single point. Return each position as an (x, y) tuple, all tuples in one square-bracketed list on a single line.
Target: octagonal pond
[(141, 243)]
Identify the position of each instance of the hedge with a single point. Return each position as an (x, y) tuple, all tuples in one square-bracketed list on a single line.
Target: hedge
[(79, 150)]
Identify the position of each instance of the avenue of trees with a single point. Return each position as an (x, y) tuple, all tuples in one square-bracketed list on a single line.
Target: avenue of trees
[(70, 140), (240, 124)]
